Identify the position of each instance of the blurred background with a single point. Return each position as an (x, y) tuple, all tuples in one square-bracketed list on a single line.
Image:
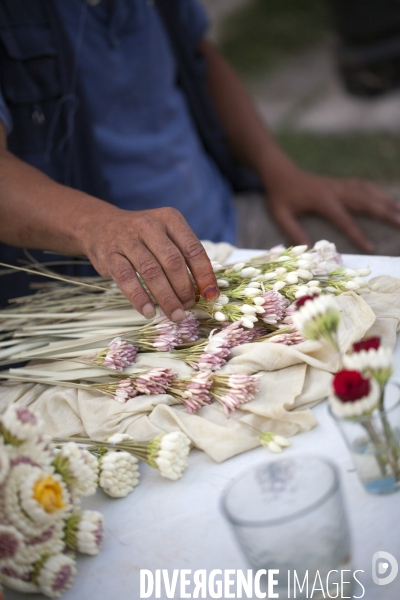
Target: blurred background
[(325, 76)]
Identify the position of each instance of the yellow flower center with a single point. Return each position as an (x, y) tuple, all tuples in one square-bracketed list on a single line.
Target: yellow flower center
[(48, 492)]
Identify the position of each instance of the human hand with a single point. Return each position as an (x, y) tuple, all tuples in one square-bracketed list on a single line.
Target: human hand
[(157, 244), (334, 199)]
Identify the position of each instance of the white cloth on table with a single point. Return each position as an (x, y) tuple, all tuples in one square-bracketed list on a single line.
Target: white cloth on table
[(294, 379)]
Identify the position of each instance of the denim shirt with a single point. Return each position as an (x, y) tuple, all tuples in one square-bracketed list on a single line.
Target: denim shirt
[(148, 149), (92, 99)]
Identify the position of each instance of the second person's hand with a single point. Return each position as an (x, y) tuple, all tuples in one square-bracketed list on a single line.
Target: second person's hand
[(335, 199)]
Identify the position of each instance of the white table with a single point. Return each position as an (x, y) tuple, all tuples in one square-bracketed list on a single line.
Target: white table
[(178, 525)]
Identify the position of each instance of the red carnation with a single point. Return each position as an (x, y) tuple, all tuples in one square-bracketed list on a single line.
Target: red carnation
[(301, 301), (350, 386), (372, 342)]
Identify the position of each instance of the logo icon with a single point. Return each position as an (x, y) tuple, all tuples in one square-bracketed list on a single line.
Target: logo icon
[(384, 568)]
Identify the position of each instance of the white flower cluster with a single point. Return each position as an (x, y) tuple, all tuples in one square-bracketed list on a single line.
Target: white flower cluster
[(369, 360), (85, 531), (37, 499), (89, 535), (171, 454), (119, 473), (290, 273), (274, 442), (324, 258), (80, 468), (19, 424), (311, 310), (56, 575)]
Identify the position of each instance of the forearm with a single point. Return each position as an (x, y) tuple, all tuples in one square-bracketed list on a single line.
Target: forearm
[(157, 244), (250, 141), (37, 212)]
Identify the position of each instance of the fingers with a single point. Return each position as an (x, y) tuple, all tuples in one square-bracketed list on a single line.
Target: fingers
[(173, 267), (139, 259), (287, 221), (195, 256), (332, 210), (332, 198), (123, 273), (149, 268), (366, 198), (339, 216)]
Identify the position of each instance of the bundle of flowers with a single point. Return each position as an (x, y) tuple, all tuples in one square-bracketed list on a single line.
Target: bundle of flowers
[(358, 388), (167, 452), (122, 388), (211, 354), (42, 526), (41, 523), (161, 335), (229, 390), (233, 390), (90, 321), (260, 291)]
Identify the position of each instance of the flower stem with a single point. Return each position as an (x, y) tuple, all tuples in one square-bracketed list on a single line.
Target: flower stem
[(374, 437), (392, 444)]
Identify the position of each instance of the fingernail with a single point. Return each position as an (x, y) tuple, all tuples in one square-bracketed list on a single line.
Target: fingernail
[(149, 311), (211, 293), (178, 315)]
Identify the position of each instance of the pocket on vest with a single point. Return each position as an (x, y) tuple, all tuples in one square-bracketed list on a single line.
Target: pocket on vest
[(29, 70)]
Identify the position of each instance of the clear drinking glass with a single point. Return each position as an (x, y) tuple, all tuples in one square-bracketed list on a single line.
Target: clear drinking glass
[(288, 514), (374, 443)]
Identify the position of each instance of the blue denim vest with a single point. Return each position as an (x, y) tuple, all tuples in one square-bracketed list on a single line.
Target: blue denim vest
[(48, 110), (51, 122), (50, 125)]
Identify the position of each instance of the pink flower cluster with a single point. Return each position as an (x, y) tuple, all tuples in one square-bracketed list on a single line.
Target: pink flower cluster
[(124, 391), (289, 312), (293, 336), (200, 390), (188, 329), (166, 338), (260, 332), (289, 339), (197, 393), (220, 345), (234, 390), (274, 307), (155, 381), (120, 354), (170, 334), (237, 335)]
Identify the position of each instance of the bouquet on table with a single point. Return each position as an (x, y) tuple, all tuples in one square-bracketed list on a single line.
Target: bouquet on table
[(357, 400), (42, 482), (41, 523)]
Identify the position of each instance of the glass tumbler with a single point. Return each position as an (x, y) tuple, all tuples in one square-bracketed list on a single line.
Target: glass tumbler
[(374, 443), (288, 514)]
